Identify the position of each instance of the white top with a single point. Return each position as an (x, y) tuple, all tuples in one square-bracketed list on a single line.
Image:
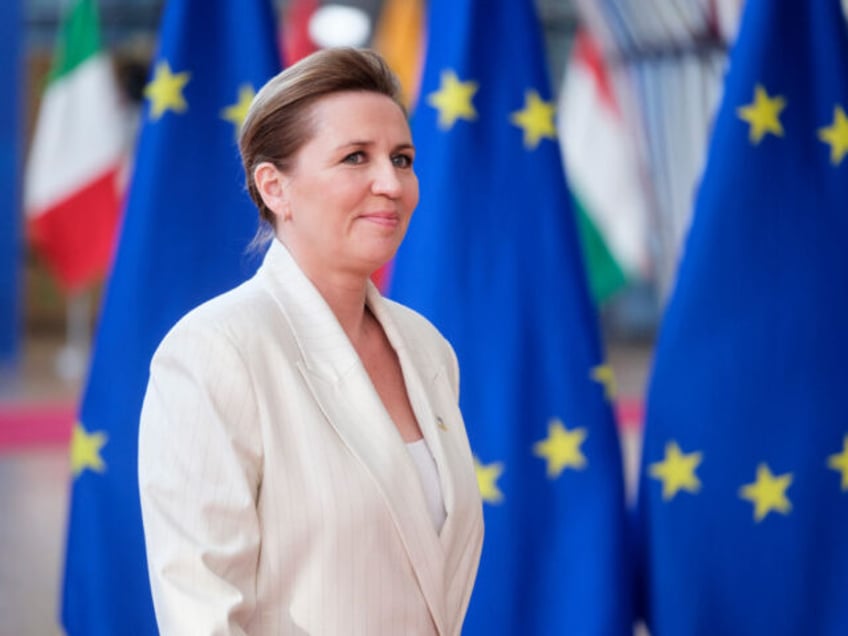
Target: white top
[(426, 465)]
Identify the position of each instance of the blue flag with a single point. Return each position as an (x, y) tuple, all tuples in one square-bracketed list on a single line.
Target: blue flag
[(187, 223), (744, 492), (11, 146), (492, 258)]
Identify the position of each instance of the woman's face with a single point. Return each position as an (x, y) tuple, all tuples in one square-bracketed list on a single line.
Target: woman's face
[(349, 196)]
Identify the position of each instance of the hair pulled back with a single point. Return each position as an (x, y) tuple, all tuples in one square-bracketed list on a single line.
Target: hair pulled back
[(278, 123)]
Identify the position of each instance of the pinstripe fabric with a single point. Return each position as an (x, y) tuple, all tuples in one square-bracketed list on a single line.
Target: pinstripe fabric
[(277, 495)]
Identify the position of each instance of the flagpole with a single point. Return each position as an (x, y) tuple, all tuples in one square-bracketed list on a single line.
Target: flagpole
[(72, 359)]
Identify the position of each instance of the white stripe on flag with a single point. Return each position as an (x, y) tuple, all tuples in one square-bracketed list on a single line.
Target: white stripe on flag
[(81, 133)]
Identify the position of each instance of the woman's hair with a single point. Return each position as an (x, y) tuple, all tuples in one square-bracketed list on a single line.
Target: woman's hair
[(278, 123)]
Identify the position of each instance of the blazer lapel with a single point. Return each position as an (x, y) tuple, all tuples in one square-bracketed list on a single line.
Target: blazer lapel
[(420, 376), (344, 393), (433, 399)]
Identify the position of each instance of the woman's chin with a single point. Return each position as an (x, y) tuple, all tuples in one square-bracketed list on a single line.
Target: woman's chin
[(378, 253)]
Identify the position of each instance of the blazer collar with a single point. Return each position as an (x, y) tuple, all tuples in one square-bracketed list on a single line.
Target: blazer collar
[(323, 343), (346, 396)]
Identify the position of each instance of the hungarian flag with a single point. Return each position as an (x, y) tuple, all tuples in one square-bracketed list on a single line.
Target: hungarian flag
[(603, 172), (73, 187)]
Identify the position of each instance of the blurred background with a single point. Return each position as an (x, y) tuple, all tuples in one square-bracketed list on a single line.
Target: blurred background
[(636, 85)]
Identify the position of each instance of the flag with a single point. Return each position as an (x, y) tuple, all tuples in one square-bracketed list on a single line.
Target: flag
[(187, 223), (296, 42), (11, 118), (600, 157), (492, 258), (73, 185), (398, 38), (744, 489)]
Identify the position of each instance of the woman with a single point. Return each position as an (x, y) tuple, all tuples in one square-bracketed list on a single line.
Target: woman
[(303, 463)]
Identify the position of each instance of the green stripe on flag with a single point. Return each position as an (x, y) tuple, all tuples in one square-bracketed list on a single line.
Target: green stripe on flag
[(605, 275), (79, 39)]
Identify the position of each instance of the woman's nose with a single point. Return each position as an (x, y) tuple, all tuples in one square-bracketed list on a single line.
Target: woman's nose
[(386, 180)]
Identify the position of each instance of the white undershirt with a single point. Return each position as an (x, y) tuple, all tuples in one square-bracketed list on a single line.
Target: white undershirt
[(426, 465)]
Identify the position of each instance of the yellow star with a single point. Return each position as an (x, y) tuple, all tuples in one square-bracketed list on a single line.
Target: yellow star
[(165, 91), (677, 471), (561, 448), (85, 450), (767, 493), (836, 135), (487, 481), (839, 462), (236, 113), (763, 115), (453, 100), (536, 119), (604, 374)]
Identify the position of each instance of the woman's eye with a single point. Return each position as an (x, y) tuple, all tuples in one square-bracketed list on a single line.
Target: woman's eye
[(402, 161), (354, 157)]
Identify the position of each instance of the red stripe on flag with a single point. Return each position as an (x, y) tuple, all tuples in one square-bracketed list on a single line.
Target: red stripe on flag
[(76, 236), (587, 50), (630, 413), (296, 41)]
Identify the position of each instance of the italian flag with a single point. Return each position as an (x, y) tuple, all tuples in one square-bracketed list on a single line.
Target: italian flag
[(603, 174), (74, 177)]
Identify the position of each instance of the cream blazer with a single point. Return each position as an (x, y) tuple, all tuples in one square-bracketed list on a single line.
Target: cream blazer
[(277, 495)]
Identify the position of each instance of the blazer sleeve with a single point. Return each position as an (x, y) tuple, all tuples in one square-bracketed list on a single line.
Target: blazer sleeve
[(199, 470)]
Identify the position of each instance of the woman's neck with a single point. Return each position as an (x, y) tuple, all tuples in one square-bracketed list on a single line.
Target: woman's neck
[(344, 290), (345, 293)]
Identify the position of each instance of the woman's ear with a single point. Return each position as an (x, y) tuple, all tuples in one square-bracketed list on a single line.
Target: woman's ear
[(273, 188)]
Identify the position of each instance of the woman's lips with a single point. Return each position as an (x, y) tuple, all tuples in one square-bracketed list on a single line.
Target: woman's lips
[(389, 219)]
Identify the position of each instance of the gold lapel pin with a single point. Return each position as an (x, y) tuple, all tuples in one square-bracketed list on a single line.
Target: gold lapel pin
[(440, 423)]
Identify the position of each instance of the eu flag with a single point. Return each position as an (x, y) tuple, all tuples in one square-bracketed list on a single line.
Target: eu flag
[(744, 492), (492, 258), (186, 226)]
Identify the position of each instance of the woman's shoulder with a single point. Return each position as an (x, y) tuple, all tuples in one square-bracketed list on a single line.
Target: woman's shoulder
[(236, 316)]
